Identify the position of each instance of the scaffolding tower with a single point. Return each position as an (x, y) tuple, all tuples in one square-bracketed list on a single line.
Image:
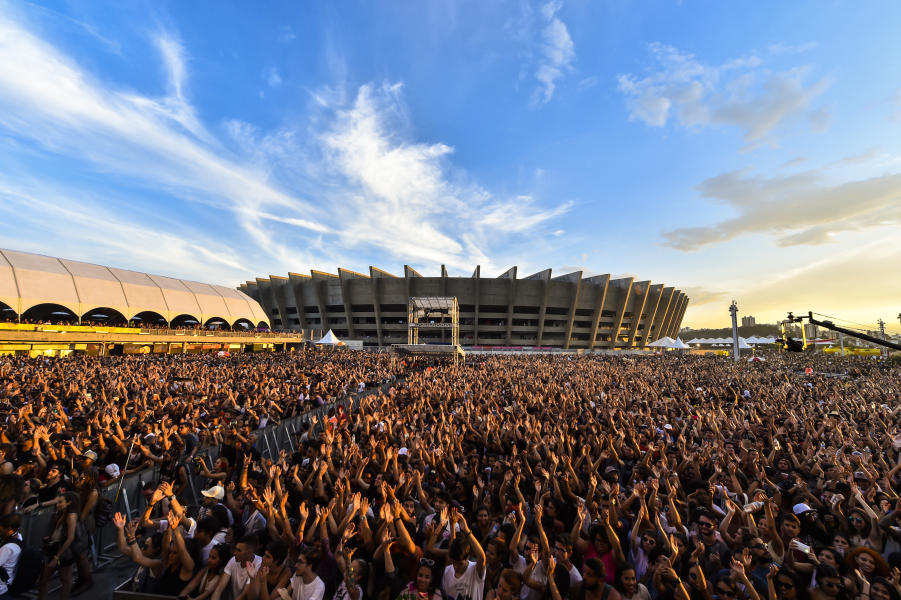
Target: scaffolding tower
[(433, 312)]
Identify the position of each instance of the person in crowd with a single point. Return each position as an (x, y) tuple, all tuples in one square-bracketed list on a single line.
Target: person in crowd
[(529, 476), (10, 552)]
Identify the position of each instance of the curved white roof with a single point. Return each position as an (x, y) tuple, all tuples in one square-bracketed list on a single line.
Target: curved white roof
[(29, 280)]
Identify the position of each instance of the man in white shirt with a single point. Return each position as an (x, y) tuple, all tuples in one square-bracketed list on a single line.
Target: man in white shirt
[(464, 580), (305, 585), (240, 569), (10, 552)]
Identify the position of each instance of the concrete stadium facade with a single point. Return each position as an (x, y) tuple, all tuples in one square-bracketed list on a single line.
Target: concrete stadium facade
[(567, 312)]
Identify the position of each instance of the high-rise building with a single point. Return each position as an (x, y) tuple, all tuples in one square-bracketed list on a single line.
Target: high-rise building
[(748, 321)]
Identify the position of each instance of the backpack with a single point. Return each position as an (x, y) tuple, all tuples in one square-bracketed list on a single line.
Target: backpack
[(103, 512), (30, 568)]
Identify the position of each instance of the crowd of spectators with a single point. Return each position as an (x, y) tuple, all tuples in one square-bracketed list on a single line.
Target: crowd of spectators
[(539, 478)]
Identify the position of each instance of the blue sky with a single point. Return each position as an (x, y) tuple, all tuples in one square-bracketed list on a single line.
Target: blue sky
[(737, 150)]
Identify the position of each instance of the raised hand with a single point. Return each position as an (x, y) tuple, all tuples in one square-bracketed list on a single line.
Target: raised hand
[(119, 521)]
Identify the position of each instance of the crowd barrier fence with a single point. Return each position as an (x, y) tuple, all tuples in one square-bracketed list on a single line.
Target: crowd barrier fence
[(271, 440)]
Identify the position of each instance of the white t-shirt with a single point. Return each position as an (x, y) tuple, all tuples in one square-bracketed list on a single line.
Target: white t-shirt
[(186, 532), (539, 575), (9, 560), (241, 576), (303, 591), (205, 551), (468, 587), (343, 594)]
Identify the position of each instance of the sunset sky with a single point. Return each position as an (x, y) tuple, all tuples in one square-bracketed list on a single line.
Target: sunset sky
[(737, 150)]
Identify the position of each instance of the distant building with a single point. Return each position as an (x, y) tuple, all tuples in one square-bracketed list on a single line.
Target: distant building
[(748, 322), (811, 331)]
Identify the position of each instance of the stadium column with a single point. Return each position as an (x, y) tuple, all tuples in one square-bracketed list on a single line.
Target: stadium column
[(266, 298), (511, 294), (278, 285), (677, 320), (297, 284), (674, 314), (577, 286), (320, 284), (600, 297), (374, 276), (671, 311), (666, 298), (344, 277), (654, 294), (409, 274), (443, 295), (477, 275), (546, 276), (625, 283), (640, 295)]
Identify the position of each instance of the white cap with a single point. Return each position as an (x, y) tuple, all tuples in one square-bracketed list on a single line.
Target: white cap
[(402, 452), (800, 509), (214, 492), (112, 470)]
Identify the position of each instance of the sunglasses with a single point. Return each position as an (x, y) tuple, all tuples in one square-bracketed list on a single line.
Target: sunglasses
[(856, 520), (427, 562), (693, 576), (832, 586), (785, 585), (727, 593), (705, 524), (760, 546)]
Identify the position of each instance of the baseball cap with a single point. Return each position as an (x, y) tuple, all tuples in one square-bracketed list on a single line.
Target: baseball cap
[(112, 470), (214, 492), (402, 452), (90, 454), (800, 509)]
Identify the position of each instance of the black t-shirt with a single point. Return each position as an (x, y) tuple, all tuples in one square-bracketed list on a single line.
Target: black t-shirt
[(51, 492)]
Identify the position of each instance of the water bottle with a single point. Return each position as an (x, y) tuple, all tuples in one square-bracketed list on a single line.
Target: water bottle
[(753, 507)]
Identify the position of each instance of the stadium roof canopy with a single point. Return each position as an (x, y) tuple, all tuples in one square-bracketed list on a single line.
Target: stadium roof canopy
[(35, 287)]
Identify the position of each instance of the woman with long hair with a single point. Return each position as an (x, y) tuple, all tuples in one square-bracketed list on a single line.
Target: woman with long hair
[(626, 583), (88, 486), (829, 584), (867, 563), (785, 584), (179, 556), (207, 579), (59, 548)]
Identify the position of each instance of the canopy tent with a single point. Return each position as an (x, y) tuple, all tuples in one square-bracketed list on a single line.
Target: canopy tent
[(743, 345), (668, 342), (330, 339), (756, 359), (664, 342)]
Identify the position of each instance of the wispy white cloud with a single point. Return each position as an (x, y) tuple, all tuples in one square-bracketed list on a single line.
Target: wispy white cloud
[(354, 179), (271, 77), (737, 94), (286, 35), (806, 208), (782, 48), (398, 186), (558, 53)]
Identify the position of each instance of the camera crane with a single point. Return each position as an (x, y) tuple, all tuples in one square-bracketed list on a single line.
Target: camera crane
[(793, 345)]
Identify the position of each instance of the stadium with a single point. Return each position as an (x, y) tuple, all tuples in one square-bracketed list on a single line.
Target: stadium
[(537, 311)]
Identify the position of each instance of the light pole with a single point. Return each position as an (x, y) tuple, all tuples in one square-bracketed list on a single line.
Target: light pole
[(733, 310)]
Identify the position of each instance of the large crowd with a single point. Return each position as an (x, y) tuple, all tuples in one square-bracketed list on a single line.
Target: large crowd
[(538, 478)]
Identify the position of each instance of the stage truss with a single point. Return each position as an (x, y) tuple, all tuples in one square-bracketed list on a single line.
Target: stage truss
[(430, 312)]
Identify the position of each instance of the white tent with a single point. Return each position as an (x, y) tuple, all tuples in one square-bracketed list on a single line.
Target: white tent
[(329, 339), (664, 342), (680, 344)]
